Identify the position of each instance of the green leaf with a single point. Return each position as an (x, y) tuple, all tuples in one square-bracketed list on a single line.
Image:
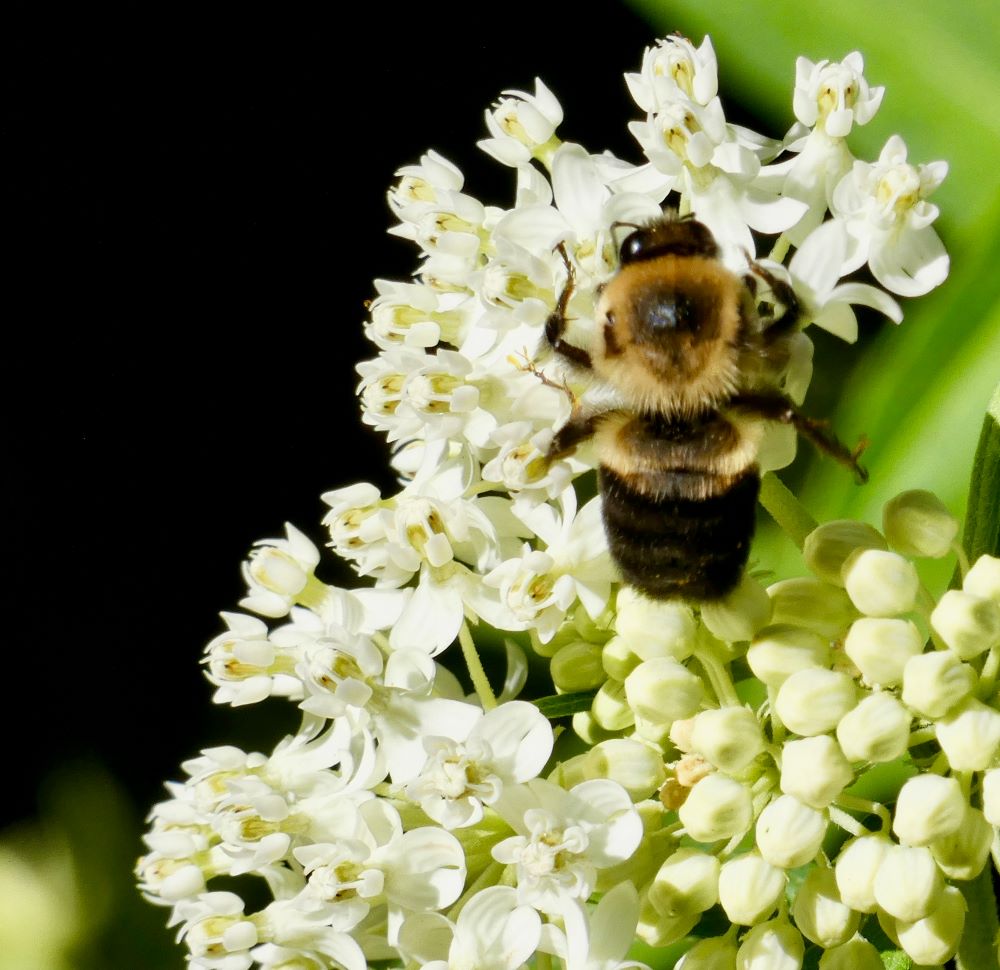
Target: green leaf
[(978, 947), (982, 522), (564, 705)]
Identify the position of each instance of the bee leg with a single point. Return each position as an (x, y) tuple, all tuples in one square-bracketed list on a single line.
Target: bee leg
[(555, 325), (774, 407), (789, 320), (580, 426)]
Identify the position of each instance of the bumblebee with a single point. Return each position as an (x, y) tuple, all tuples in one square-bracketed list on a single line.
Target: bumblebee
[(692, 362)]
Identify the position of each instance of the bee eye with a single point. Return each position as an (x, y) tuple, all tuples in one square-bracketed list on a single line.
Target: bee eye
[(633, 247)]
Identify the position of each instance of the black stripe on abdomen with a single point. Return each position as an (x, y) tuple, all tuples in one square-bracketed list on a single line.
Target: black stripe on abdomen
[(677, 547)]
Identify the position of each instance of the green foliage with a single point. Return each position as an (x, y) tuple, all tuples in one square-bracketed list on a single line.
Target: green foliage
[(982, 527), (564, 705)]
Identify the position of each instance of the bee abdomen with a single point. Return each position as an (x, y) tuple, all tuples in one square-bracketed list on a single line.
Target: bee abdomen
[(680, 547)]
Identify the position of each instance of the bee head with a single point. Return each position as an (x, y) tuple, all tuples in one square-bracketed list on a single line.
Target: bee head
[(668, 236), (669, 320)]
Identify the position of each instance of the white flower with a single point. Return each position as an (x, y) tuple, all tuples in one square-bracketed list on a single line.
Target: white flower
[(415, 315), (279, 574), (494, 931), (246, 666), (814, 271), (374, 859), (565, 837), (834, 96), (598, 939), (884, 209), (422, 184), (218, 936), (507, 745), (522, 125), (675, 66), (538, 587), (829, 99)]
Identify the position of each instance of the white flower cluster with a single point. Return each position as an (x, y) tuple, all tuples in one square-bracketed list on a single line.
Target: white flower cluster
[(406, 820)]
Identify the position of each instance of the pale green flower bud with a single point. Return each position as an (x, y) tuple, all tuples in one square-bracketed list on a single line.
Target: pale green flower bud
[(730, 737), (969, 624), (820, 913), (788, 833), (856, 954), (908, 883), (917, 523), (983, 579), (856, 868), (877, 730), (740, 614), (808, 602), (663, 690), (880, 583), (654, 628), (771, 946), (717, 953), (814, 770), (717, 808), (634, 765), (570, 772), (687, 882), (934, 683), (991, 796), (935, 938), (963, 854), (657, 930), (618, 658), (749, 888), (653, 732), (577, 667), (777, 652), (610, 708), (827, 547), (928, 807), (588, 730), (880, 648), (970, 736), (813, 701)]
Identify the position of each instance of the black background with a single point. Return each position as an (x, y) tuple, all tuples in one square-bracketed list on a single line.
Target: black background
[(196, 209)]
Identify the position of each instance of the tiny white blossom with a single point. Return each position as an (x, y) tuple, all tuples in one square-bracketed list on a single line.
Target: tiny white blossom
[(279, 574), (565, 837), (834, 96), (884, 208), (507, 745), (674, 65), (522, 125)]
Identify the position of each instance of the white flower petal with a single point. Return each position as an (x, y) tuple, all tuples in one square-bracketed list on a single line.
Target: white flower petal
[(914, 266)]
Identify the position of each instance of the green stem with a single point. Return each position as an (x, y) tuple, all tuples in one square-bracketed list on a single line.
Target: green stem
[(846, 821), (854, 804), (722, 683), (988, 677), (785, 509), (780, 248), (963, 559), (475, 667)]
